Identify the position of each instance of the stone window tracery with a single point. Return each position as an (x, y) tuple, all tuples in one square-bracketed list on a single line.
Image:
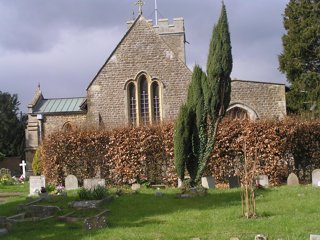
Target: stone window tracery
[(144, 100)]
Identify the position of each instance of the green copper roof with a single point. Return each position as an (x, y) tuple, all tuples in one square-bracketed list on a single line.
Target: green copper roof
[(59, 105)]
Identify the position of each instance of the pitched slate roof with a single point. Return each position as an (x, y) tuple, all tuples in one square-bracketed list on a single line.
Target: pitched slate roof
[(59, 105)]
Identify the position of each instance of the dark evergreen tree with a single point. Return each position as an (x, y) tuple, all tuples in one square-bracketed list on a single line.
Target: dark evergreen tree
[(207, 100), (300, 60), (12, 126)]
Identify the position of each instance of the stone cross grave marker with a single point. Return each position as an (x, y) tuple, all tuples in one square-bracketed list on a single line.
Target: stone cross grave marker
[(23, 165), (71, 182), (262, 180), (93, 183), (292, 180), (316, 178), (35, 184)]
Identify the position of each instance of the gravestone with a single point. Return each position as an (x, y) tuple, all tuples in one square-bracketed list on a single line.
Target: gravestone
[(262, 180), (314, 237), (4, 171), (92, 183), (234, 182), (71, 182), (292, 180), (207, 182), (180, 182), (316, 178), (135, 186), (36, 183)]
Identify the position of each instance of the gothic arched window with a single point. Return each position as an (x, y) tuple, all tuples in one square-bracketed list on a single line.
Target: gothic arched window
[(132, 104), (144, 100), (155, 102)]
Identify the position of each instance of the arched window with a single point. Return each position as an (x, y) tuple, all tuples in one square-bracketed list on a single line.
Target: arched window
[(132, 104), (237, 113), (67, 127), (144, 100), (155, 102)]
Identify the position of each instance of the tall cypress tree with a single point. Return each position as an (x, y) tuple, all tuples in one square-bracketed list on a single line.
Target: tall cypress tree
[(207, 100)]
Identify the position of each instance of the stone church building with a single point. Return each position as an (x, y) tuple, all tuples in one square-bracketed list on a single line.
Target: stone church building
[(144, 81)]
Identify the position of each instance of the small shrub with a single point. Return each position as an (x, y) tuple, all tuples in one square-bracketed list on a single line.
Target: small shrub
[(99, 193), (36, 168), (50, 188), (84, 194), (6, 179)]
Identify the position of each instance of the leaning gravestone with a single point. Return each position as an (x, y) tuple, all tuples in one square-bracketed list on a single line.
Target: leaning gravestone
[(207, 182), (292, 180), (92, 183), (262, 180), (316, 178), (234, 182), (35, 184), (71, 182)]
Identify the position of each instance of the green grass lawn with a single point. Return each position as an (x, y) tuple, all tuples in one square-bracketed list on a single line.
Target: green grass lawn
[(284, 213)]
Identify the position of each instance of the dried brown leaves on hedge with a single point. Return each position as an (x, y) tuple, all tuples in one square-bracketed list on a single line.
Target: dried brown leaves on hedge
[(123, 156)]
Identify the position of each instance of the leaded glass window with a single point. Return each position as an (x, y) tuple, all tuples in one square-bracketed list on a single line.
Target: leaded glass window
[(144, 100), (132, 104), (156, 102)]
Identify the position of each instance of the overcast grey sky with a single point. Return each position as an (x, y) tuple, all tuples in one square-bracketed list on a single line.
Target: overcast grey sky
[(61, 44)]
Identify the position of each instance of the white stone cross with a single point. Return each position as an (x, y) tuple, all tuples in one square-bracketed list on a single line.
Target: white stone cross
[(23, 165)]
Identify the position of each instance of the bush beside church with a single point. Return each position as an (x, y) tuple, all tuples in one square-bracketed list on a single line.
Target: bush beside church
[(126, 155)]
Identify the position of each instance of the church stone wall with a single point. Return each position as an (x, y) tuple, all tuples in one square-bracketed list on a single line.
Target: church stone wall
[(54, 123), (266, 99), (142, 49)]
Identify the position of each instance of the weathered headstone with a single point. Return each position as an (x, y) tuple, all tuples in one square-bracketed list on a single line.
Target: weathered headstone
[(234, 182), (93, 183), (262, 180), (71, 182), (260, 237), (36, 183), (135, 186), (180, 182), (292, 180), (314, 237), (4, 171), (316, 178), (207, 182)]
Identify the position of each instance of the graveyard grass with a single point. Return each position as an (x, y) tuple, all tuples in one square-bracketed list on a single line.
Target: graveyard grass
[(284, 213)]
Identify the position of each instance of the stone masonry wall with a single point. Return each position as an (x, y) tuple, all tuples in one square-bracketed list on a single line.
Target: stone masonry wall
[(55, 122), (142, 49), (266, 99)]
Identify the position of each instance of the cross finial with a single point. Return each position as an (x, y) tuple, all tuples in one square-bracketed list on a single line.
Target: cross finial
[(140, 3)]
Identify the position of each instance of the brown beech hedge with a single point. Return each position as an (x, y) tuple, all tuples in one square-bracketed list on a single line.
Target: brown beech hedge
[(127, 155)]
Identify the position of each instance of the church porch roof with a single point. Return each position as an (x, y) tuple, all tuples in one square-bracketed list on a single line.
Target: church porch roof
[(59, 105)]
